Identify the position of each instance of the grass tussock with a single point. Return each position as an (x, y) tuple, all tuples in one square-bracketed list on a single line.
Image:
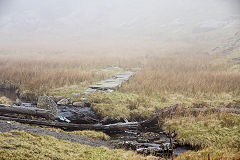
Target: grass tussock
[(21, 145), (5, 100), (138, 106), (92, 134), (190, 79), (217, 135), (185, 75), (122, 105), (74, 92)]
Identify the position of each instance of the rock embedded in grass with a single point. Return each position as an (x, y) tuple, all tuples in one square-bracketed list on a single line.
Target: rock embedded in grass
[(18, 102), (64, 102), (56, 98), (46, 102), (78, 104)]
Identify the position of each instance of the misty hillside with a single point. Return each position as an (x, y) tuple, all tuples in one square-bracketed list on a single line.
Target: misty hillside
[(119, 79), (149, 25)]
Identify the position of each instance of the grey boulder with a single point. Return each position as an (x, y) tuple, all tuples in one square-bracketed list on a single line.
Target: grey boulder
[(47, 103)]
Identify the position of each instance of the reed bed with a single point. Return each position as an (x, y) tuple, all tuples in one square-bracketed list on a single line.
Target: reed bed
[(185, 75), (42, 72)]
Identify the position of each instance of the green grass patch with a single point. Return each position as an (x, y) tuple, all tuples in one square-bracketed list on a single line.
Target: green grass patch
[(86, 133), (122, 105), (130, 105), (167, 99), (91, 134), (21, 145), (217, 135), (74, 92)]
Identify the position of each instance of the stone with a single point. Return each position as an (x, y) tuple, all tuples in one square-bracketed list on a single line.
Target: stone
[(63, 102), (47, 103), (56, 98), (141, 140), (78, 104), (18, 102), (110, 84), (89, 90), (160, 141)]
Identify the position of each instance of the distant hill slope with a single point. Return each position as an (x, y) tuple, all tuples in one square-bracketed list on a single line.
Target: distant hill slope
[(230, 46)]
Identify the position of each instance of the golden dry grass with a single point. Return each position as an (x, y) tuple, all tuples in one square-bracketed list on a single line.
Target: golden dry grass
[(165, 81), (188, 75), (39, 73)]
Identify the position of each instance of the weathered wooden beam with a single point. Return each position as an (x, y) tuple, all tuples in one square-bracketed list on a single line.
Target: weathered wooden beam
[(26, 111), (118, 127)]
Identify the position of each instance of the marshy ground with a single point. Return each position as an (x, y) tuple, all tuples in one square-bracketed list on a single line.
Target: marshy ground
[(209, 81)]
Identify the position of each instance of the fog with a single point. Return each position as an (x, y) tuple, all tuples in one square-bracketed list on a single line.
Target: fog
[(115, 25)]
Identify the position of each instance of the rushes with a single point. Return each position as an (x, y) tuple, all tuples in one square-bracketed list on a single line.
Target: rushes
[(185, 75), (35, 74), (189, 75), (42, 72)]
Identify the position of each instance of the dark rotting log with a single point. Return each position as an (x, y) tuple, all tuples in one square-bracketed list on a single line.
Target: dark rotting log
[(151, 124), (26, 111), (118, 127)]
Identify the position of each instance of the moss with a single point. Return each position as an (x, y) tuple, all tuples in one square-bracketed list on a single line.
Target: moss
[(5, 100), (217, 135), (21, 145)]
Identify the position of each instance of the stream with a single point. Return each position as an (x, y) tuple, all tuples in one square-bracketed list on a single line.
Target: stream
[(146, 143)]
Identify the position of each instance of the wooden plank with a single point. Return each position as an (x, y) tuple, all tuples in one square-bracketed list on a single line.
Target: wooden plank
[(26, 111), (118, 127)]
